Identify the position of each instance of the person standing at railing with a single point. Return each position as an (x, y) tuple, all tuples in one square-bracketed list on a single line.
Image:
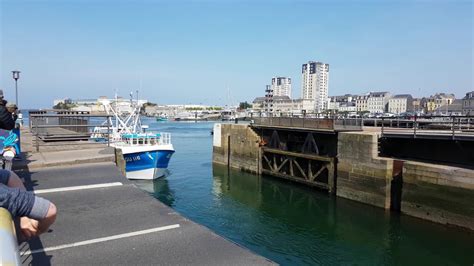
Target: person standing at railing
[(13, 110), (7, 118), (35, 214)]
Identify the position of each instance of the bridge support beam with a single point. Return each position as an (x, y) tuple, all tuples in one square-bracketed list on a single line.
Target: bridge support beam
[(314, 170)]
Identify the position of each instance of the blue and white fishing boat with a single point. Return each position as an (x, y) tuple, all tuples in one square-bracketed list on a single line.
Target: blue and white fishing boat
[(146, 154)]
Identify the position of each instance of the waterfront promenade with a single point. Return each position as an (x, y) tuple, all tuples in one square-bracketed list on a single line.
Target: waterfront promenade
[(105, 219)]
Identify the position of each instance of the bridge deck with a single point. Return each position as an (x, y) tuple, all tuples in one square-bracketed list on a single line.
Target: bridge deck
[(428, 134), (62, 134)]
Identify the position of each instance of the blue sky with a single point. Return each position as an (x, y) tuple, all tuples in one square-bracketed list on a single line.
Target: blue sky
[(192, 51)]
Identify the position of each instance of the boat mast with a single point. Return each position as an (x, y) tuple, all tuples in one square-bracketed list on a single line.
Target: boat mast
[(116, 115)]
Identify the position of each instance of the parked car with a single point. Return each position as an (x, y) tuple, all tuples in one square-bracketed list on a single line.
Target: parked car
[(389, 115), (407, 115)]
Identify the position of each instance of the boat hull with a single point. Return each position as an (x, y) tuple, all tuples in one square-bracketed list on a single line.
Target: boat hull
[(147, 164)]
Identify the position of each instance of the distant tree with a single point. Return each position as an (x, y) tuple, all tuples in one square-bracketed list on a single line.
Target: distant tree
[(194, 108), (149, 104), (244, 105), (64, 106)]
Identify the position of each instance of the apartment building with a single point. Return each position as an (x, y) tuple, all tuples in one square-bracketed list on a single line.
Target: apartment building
[(335, 102), (281, 86), (315, 84), (268, 104), (400, 104), (434, 102), (361, 103), (378, 102), (468, 104)]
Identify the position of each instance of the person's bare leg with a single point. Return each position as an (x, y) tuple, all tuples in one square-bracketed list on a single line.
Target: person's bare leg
[(15, 181)]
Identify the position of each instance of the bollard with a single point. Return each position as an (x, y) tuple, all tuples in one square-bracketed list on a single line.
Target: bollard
[(453, 127), (108, 134), (37, 139), (383, 122), (415, 125)]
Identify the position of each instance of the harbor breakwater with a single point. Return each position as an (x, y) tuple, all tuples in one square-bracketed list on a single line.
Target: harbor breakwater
[(433, 192)]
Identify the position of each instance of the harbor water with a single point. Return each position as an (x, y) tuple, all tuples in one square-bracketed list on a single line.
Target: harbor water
[(292, 224)]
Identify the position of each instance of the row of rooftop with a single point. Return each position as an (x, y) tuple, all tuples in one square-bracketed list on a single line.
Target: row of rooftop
[(371, 102)]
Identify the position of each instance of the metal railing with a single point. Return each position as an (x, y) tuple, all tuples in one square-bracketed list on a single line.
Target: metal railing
[(143, 139), (453, 127), (59, 128), (333, 124)]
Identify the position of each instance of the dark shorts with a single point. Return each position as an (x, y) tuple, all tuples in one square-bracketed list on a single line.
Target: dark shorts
[(4, 176), (20, 202)]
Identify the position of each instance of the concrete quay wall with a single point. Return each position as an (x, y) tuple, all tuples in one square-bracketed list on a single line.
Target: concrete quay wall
[(236, 146), (362, 175), (438, 193)]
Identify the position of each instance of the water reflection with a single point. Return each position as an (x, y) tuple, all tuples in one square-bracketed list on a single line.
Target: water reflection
[(159, 188), (316, 228)]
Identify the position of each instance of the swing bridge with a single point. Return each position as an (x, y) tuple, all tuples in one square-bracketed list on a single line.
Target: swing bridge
[(305, 150), (302, 150)]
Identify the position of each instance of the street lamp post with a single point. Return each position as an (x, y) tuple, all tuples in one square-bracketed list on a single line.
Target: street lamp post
[(16, 76)]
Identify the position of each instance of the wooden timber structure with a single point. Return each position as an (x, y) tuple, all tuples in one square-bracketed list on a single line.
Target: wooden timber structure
[(302, 150)]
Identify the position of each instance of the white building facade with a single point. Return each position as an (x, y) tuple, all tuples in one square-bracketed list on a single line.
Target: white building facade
[(468, 104), (361, 103), (315, 84), (377, 102), (349, 107), (287, 106), (400, 104), (281, 86), (335, 102)]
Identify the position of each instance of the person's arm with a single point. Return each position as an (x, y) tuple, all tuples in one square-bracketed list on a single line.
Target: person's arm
[(36, 214), (31, 227)]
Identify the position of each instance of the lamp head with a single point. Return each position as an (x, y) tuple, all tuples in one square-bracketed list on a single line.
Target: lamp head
[(16, 74)]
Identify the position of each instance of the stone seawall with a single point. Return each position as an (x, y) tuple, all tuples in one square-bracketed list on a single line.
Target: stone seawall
[(438, 193), (362, 175), (237, 146)]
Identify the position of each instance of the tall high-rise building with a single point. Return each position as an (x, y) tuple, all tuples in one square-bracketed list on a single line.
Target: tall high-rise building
[(281, 86), (268, 103), (315, 84)]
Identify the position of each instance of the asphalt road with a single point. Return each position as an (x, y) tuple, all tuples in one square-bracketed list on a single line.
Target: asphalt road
[(119, 224)]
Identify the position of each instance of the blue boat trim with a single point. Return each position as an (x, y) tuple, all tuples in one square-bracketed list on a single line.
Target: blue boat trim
[(147, 160)]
